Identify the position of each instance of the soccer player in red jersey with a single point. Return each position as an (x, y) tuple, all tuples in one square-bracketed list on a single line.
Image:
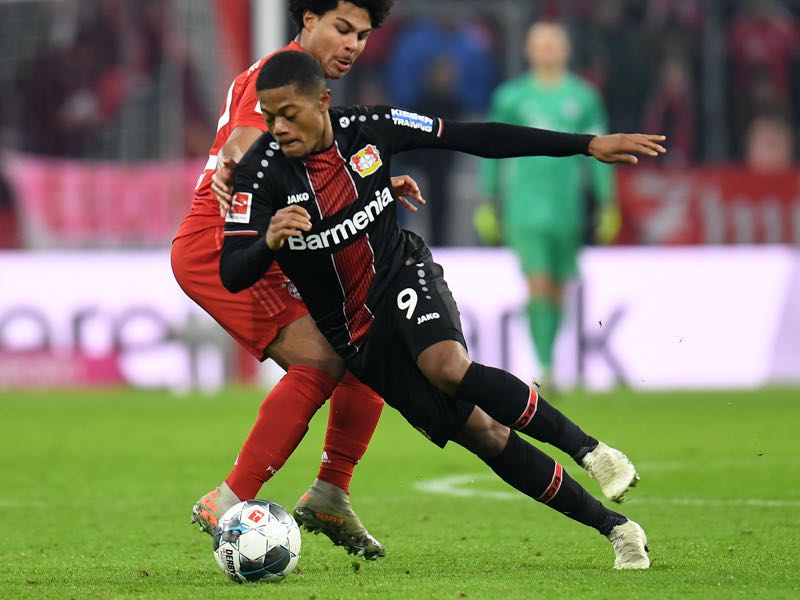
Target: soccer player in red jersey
[(270, 319), (322, 208)]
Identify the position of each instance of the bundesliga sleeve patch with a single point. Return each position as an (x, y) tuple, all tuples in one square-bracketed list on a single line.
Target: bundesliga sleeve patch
[(240, 208), (412, 120), (366, 161)]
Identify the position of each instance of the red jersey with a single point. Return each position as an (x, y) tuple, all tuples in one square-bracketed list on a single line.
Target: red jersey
[(769, 43), (241, 109)]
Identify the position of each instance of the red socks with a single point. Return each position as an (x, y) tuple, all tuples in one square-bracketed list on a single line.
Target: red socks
[(354, 413), (282, 422)]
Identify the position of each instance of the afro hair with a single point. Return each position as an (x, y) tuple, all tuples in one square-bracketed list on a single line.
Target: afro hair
[(377, 9)]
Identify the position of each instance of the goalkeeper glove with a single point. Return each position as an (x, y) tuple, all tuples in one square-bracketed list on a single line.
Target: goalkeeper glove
[(608, 224), (487, 224)]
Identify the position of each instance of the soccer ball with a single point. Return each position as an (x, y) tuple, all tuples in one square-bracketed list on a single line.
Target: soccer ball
[(257, 541)]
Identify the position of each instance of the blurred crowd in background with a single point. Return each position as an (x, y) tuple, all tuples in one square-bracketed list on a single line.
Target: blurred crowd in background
[(110, 80)]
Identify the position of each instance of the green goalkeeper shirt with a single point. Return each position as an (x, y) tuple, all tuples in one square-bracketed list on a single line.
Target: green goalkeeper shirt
[(543, 192)]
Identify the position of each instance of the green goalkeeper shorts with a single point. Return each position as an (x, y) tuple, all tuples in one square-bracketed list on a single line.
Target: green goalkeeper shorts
[(546, 252)]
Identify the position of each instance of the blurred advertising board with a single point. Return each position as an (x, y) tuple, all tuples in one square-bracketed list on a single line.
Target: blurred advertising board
[(709, 205), (648, 318), (71, 312), (83, 204)]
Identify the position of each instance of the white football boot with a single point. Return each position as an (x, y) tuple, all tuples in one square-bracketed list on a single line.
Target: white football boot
[(325, 508), (630, 546), (612, 469)]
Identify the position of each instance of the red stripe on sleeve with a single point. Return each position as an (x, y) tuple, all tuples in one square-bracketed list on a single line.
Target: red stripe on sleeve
[(243, 232)]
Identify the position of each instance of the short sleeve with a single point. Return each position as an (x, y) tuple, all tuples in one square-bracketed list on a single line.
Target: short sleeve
[(248, 111)]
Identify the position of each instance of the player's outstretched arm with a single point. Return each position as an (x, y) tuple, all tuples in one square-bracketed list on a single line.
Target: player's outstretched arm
[(623, 147), (407, 131)]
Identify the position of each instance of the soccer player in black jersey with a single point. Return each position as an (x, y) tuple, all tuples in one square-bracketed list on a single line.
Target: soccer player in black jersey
[(314, 194)]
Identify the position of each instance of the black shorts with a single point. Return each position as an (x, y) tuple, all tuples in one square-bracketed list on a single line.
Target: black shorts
[(417, 311)]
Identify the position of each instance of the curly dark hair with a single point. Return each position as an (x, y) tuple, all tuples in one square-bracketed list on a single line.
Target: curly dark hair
[(378, 9)]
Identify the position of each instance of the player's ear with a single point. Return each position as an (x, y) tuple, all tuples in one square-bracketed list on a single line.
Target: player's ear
[(309, 20), (325, 100)]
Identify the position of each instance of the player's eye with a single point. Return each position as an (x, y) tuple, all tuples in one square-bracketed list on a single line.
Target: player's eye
[(363, 36)]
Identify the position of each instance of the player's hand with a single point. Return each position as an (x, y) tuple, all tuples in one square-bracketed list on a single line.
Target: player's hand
[(287, 222), (623, 147), (404, 190), (222, 184)]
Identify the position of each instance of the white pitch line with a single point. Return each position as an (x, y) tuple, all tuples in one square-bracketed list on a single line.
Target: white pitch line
[(754, 502), (458, 486)]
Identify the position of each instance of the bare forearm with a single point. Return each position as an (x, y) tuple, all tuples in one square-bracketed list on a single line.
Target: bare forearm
[(238, 143), (228, 157)]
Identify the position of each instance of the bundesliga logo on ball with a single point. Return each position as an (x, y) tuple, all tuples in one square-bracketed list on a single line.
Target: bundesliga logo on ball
[(257, 541)]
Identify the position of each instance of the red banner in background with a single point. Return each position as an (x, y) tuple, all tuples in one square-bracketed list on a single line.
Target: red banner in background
[(73, 204), (76, 204), (709, 205), (234, 21)]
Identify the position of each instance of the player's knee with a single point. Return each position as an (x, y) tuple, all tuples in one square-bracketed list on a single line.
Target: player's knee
[(301, 343), (329, 362), (483, 436), (445, 369), (449, 376), (332, 365)]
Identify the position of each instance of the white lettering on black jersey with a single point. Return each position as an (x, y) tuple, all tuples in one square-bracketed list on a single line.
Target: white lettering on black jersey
[(342, 266)]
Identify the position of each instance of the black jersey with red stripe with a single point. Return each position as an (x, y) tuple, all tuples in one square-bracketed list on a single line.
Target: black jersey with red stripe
[(344, 264), (355, 246)]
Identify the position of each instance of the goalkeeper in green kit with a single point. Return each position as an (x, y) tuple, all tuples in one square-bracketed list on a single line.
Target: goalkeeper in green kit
[(542, 206)]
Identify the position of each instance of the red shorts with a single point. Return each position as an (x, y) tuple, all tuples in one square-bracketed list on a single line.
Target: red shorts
[(255, 316)]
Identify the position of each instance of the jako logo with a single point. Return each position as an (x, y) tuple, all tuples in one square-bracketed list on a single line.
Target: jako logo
[(295, 198), (347, 228), (428, 317)]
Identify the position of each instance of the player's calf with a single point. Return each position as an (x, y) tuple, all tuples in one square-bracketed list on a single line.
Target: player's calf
[(512, 402)]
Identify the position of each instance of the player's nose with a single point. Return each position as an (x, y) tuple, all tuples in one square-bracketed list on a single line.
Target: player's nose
[(351, 43), (280, 127)]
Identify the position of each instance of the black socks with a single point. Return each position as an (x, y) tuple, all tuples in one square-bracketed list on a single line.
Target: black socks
[(511, 402), (535, 474)]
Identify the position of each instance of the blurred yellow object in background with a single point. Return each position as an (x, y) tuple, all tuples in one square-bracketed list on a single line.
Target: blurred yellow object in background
[(609, 223), (487, 224)]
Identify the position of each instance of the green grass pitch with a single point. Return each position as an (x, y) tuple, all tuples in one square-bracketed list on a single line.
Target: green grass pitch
[(96, 489)]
